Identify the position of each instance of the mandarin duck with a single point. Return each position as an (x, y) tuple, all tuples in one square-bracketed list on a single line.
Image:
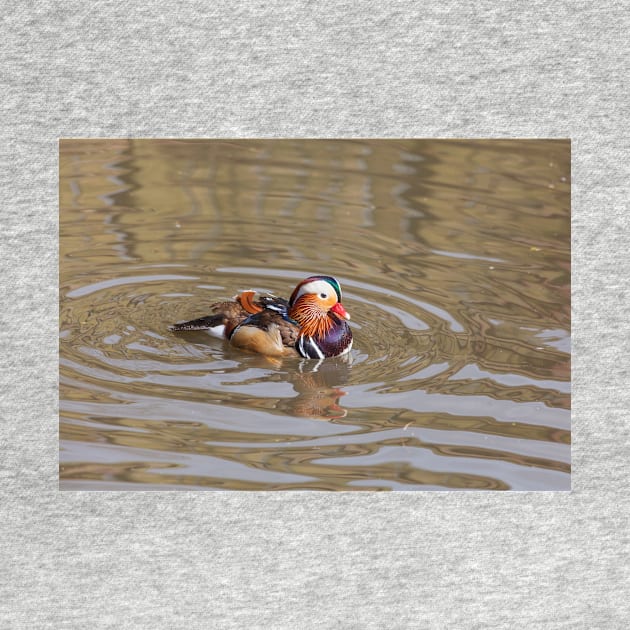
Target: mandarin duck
[(311, 324)]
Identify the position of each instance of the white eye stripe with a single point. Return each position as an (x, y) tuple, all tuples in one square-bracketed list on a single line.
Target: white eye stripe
[(316, 287)]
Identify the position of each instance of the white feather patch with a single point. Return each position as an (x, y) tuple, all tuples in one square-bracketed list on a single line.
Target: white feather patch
[(315, 347), (217, 331), (317, 286), (303, 341)]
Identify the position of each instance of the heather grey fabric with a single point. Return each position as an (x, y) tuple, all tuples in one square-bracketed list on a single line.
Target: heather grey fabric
[(282, 560)]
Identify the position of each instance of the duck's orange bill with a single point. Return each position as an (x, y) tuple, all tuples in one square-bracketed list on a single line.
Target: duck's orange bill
[(340, 310)]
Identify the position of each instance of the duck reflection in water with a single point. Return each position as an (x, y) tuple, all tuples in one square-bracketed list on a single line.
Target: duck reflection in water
[(318, 385), (318, 389)]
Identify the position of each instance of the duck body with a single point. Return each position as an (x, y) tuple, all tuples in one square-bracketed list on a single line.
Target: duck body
[(312, 323)]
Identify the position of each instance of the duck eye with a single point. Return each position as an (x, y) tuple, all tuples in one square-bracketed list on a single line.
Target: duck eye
[(323, 296)]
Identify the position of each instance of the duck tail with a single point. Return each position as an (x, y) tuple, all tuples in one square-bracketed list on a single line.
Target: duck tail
[(203, 323)]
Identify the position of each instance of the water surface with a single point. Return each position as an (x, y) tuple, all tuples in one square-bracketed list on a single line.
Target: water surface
[(454, 260)]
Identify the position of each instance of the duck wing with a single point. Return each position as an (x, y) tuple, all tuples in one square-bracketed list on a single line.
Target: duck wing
[(268, 320), (266, 313), (277, 304)]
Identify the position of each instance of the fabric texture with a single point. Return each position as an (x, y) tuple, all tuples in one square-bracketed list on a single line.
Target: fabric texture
[(314, 560)]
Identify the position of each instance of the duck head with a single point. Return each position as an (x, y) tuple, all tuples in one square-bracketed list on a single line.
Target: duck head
[(316, 305)]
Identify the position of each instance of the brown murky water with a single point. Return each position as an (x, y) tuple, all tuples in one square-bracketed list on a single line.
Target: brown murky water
[(454, 260)]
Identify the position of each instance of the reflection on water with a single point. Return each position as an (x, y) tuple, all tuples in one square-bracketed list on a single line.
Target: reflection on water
[(454, 261)]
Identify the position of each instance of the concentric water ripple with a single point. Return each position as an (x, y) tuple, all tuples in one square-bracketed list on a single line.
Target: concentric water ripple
[(398, 385)]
